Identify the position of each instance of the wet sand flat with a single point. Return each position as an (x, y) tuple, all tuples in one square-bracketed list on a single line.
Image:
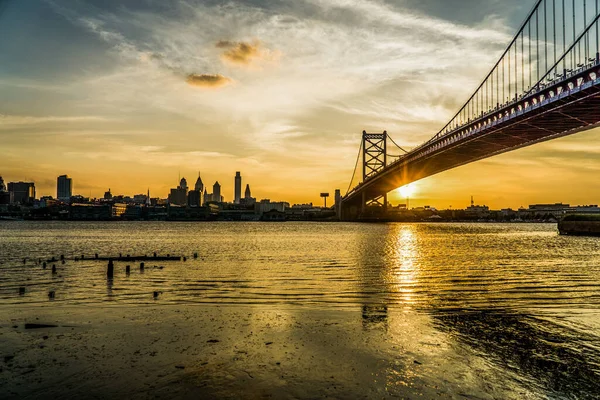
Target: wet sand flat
[(209, 351)]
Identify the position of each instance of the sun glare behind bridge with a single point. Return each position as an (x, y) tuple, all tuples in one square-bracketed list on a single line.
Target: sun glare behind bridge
[(406, 190)]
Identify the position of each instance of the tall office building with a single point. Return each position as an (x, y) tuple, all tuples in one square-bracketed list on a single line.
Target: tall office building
[(21, 192), (238, 188), (199, 185), (338, 203), (178, 196), (247, 194), (216, 194), (4, 195), (194, 197), (64, 188)]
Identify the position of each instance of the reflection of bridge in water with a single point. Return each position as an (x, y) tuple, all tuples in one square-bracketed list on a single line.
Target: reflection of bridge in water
[(545, 85)]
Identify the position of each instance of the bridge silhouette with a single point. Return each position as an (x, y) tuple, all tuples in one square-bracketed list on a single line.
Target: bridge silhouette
[(545, 85)]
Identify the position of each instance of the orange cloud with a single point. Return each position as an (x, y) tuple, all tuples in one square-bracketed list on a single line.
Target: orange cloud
[(244, 53), (207, 80)]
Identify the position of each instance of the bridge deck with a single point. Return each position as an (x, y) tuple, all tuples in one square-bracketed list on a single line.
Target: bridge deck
[(559, 113)]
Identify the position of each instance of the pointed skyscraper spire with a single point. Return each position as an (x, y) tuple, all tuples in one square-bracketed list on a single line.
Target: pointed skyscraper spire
[(199, 186)]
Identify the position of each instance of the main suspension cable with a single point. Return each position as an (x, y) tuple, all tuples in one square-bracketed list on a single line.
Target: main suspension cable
[(355, 165), (392, 140)]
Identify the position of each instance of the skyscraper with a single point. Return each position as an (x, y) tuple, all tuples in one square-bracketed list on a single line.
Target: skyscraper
[(21, 192), (216, 194), (4, 195), (238, 188), (64, 188), (247, 194), (178, 196), (199, 187), (194, 198)]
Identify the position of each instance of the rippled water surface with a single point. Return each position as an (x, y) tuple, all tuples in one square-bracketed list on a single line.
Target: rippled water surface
[(522, 296)]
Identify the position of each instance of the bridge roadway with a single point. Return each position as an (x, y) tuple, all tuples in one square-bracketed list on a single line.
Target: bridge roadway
[(565, 106)]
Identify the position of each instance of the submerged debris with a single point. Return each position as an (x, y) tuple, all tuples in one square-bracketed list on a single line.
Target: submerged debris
[(39, 326)]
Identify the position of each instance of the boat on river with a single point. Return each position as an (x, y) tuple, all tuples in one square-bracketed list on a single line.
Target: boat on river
[(580, 224)]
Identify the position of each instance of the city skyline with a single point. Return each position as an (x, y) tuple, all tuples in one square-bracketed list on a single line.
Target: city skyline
[(229, 86), (402, 196)]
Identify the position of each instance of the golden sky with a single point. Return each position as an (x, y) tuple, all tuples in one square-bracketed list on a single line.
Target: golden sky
[(129, 97)]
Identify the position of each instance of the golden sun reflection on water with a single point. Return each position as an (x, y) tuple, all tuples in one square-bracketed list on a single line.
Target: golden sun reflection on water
[(403, 251)]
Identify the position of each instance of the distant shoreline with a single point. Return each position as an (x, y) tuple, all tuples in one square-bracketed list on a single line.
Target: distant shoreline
[(295, 220)]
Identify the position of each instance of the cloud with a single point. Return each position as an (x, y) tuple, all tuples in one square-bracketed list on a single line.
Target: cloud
[(208, 80), (224, 44), (244, 53), (6, 120)]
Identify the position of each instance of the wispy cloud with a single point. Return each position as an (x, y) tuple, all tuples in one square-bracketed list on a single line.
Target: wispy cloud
[(11, 120)]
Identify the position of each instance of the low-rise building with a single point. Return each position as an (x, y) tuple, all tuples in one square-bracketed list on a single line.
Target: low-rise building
[(273, 215), (90, 212), (266, 205)]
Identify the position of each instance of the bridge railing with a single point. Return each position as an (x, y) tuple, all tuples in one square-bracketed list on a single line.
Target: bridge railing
[(549, 31)]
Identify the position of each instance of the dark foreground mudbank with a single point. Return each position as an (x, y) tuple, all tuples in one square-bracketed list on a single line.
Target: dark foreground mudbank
[(250, 351)]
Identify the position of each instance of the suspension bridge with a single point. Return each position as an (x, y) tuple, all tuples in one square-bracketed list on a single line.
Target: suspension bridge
[(545, 85)]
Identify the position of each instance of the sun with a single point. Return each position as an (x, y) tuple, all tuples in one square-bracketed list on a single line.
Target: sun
[(406, 190)]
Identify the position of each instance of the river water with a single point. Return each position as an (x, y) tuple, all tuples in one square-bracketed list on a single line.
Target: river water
[(516, 307)]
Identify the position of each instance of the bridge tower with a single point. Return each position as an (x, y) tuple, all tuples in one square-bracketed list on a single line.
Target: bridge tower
[(374, 147)]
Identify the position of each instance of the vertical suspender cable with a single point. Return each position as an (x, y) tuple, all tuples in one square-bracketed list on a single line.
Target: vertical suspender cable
[(509, 88), (537, 44), (585, 39), (523, 61), (564, 34), (574, 52), (529, 58), (545, 36), (554, 28)]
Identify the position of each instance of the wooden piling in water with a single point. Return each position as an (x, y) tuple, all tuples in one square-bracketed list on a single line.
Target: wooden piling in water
[(110, 269)]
